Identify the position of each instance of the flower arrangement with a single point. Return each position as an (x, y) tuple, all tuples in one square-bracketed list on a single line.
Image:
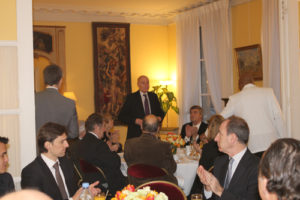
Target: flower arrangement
[(129, 193), (175, 140)]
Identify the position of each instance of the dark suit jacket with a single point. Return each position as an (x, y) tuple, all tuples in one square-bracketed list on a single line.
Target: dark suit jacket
[(147, 149), (97, 152), (133, 109), (201, 130), (209, 153), (38, 176), (51, 106), (6, 184), (243, 184)]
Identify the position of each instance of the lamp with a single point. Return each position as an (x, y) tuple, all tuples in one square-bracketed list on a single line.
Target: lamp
[(70, 95)]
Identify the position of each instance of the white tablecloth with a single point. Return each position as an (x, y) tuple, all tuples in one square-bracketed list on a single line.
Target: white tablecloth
[(185, 173)]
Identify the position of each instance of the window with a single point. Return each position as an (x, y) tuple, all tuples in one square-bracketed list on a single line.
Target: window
[(207, 105)]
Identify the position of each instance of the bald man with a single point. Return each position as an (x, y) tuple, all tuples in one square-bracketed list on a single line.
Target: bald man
[(148, 149), (137, 106)]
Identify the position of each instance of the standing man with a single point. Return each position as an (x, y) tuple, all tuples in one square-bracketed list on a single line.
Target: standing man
[(51, 106), (235, 174), (148, 149), (194, 130), (95, 151), (6, 181), (51, 172), (137, 106), (260, 109)]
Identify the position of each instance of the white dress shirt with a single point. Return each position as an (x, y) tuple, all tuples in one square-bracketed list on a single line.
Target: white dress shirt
[(143, 100), (50, 164)]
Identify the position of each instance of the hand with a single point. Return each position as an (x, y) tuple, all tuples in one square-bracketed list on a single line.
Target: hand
[(210, 181), (197, 147), (139, 122), (115, 136), (112, 147), (159, 119), (188, 130), (92, 188)]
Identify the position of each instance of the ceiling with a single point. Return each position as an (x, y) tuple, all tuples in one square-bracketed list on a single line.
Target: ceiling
[(132, 11)]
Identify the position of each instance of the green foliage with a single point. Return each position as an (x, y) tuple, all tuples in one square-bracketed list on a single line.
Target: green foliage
[(166, 98)]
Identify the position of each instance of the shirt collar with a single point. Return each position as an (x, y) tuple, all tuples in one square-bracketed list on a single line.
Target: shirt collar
[(237, 157), (249, 85), (48, 161), (94, 134), (52, 87)]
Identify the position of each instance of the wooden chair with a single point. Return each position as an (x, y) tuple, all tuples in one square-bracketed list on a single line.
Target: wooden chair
[(93, 173), (170, 189)]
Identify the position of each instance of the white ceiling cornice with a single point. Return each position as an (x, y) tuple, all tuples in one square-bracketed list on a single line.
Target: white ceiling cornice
[(75, 13)]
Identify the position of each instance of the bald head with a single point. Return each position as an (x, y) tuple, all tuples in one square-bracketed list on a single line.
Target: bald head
[(150, 124), (143, 83), (245, 79), (26, 195)]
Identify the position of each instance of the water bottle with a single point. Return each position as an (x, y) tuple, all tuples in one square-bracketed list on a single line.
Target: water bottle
[(86, 194)]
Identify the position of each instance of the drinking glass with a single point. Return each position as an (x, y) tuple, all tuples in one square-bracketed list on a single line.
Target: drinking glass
[(196, 197)]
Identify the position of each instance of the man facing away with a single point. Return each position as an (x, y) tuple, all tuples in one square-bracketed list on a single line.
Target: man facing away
[(235, 174), (194, 131), (6, 181), (51, 172), (148, 149), (97, 152), (51, 106), (260, 109), (137, 106)]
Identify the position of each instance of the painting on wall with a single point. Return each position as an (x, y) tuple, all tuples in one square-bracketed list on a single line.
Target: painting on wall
[(111, 66), (249, 60)]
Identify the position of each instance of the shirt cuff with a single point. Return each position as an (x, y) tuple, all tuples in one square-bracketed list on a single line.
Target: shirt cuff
[(207, 194)]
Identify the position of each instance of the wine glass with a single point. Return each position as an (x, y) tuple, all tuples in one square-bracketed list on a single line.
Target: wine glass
[(196, 197)]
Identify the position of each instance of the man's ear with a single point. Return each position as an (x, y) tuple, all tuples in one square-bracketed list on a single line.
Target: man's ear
[(47, 145)]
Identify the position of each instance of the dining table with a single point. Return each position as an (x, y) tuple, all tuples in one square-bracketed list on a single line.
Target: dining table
[(186, 169)]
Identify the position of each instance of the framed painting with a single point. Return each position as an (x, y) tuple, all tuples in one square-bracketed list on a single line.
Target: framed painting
[(249, 60), (111, 66)]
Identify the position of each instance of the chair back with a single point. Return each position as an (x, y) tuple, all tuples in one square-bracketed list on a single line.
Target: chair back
[(145, 171), (170, 189), (93, 173), (142, 173)]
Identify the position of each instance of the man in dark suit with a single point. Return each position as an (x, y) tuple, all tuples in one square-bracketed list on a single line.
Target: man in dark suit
[(148, 149), (51, 172), (97, 152), (51, 106), (194, 131), (235, 174), (6, 181), (137, 106)]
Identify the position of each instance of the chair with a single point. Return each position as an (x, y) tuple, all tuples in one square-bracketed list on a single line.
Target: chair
[(93, 173), (170, 189), (142, 173)]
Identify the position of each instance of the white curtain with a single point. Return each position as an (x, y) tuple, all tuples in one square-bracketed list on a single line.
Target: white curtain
[(271, 45), (214, 21), (217, 48)]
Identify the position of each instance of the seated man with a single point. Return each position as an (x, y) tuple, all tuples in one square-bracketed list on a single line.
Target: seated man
[(194, 131), (235, 174), (97, 152), (279, 174), (148, 149), (51, 172), (6, 181)]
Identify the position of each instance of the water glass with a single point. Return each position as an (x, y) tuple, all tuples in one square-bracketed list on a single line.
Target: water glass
[(196, 197)]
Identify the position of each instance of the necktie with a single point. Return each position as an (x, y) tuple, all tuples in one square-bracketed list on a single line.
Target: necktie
[(60, 182), (146, 105), (228, 174)]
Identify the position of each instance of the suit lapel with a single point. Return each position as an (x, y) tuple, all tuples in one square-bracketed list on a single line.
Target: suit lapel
[(139, 102), (65, 169), (48, 174), (221, 173)]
